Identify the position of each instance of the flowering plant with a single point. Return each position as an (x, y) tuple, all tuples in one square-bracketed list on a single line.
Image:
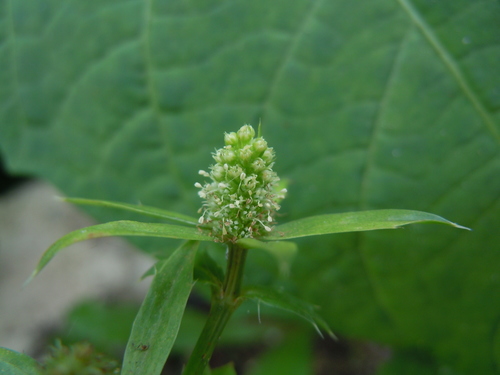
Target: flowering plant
[(240, 201)]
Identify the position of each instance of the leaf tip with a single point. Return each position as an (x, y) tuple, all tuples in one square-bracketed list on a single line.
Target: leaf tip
[(30, 278), (460, 226), (333, 336)]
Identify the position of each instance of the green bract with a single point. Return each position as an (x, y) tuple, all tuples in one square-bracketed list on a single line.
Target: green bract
[(241, 200)]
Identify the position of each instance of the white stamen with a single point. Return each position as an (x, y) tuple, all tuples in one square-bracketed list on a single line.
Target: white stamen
[(203, 173)]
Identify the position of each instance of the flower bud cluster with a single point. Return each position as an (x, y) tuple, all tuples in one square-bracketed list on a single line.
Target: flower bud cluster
[(240, 201)]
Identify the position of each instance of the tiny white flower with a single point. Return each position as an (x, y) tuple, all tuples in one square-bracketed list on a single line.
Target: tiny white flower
[(203, 173), (242, 192)]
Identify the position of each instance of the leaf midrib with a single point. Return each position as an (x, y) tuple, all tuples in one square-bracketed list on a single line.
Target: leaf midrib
[(451, 65)]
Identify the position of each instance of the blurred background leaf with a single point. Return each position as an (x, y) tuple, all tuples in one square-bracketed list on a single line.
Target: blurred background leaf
[(369, 104)]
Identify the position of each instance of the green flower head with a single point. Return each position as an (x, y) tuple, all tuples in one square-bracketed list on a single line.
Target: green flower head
[(241, 200)]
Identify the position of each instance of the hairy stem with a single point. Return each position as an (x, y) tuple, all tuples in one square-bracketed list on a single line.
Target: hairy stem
[(224, 303)]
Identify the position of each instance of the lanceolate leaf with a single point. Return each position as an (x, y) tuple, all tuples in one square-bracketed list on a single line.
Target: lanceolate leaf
[(144, 210), (286, 301), (157, 323), (14, 363), (120, 228), (354, 222)]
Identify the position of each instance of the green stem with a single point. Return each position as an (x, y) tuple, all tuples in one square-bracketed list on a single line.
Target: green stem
[(224, 303)]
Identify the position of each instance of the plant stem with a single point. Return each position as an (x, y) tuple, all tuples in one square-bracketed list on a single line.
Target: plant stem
[(224, 303)]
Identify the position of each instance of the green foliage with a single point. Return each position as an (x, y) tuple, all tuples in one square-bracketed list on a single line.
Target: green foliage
[(106, 325), (369, 105), (354, 222), (140, 209), (157, 323), (287, 302), (78, 359), (296, 348), (14, 363), (119, 228), (224, 370)]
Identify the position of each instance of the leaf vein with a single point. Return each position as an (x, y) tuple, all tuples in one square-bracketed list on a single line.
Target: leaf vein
[(273, 85), (89, 68), (452, 66), (359, 237), (457, 185), (377, 123)]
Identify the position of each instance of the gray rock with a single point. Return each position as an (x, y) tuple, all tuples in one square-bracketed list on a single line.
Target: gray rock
[(31, 219)]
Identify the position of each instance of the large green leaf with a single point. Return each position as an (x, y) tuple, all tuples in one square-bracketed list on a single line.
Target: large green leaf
[(157, 323), (371, 104)]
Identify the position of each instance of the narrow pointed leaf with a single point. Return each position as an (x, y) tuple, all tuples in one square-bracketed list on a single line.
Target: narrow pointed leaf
[(15, 363), (157, 323), (144, 210), (286, 301), (120, 228), (149, 272), (354, 222)]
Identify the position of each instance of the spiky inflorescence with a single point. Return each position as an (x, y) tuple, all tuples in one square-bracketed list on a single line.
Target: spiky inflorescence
[(241, 200)]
